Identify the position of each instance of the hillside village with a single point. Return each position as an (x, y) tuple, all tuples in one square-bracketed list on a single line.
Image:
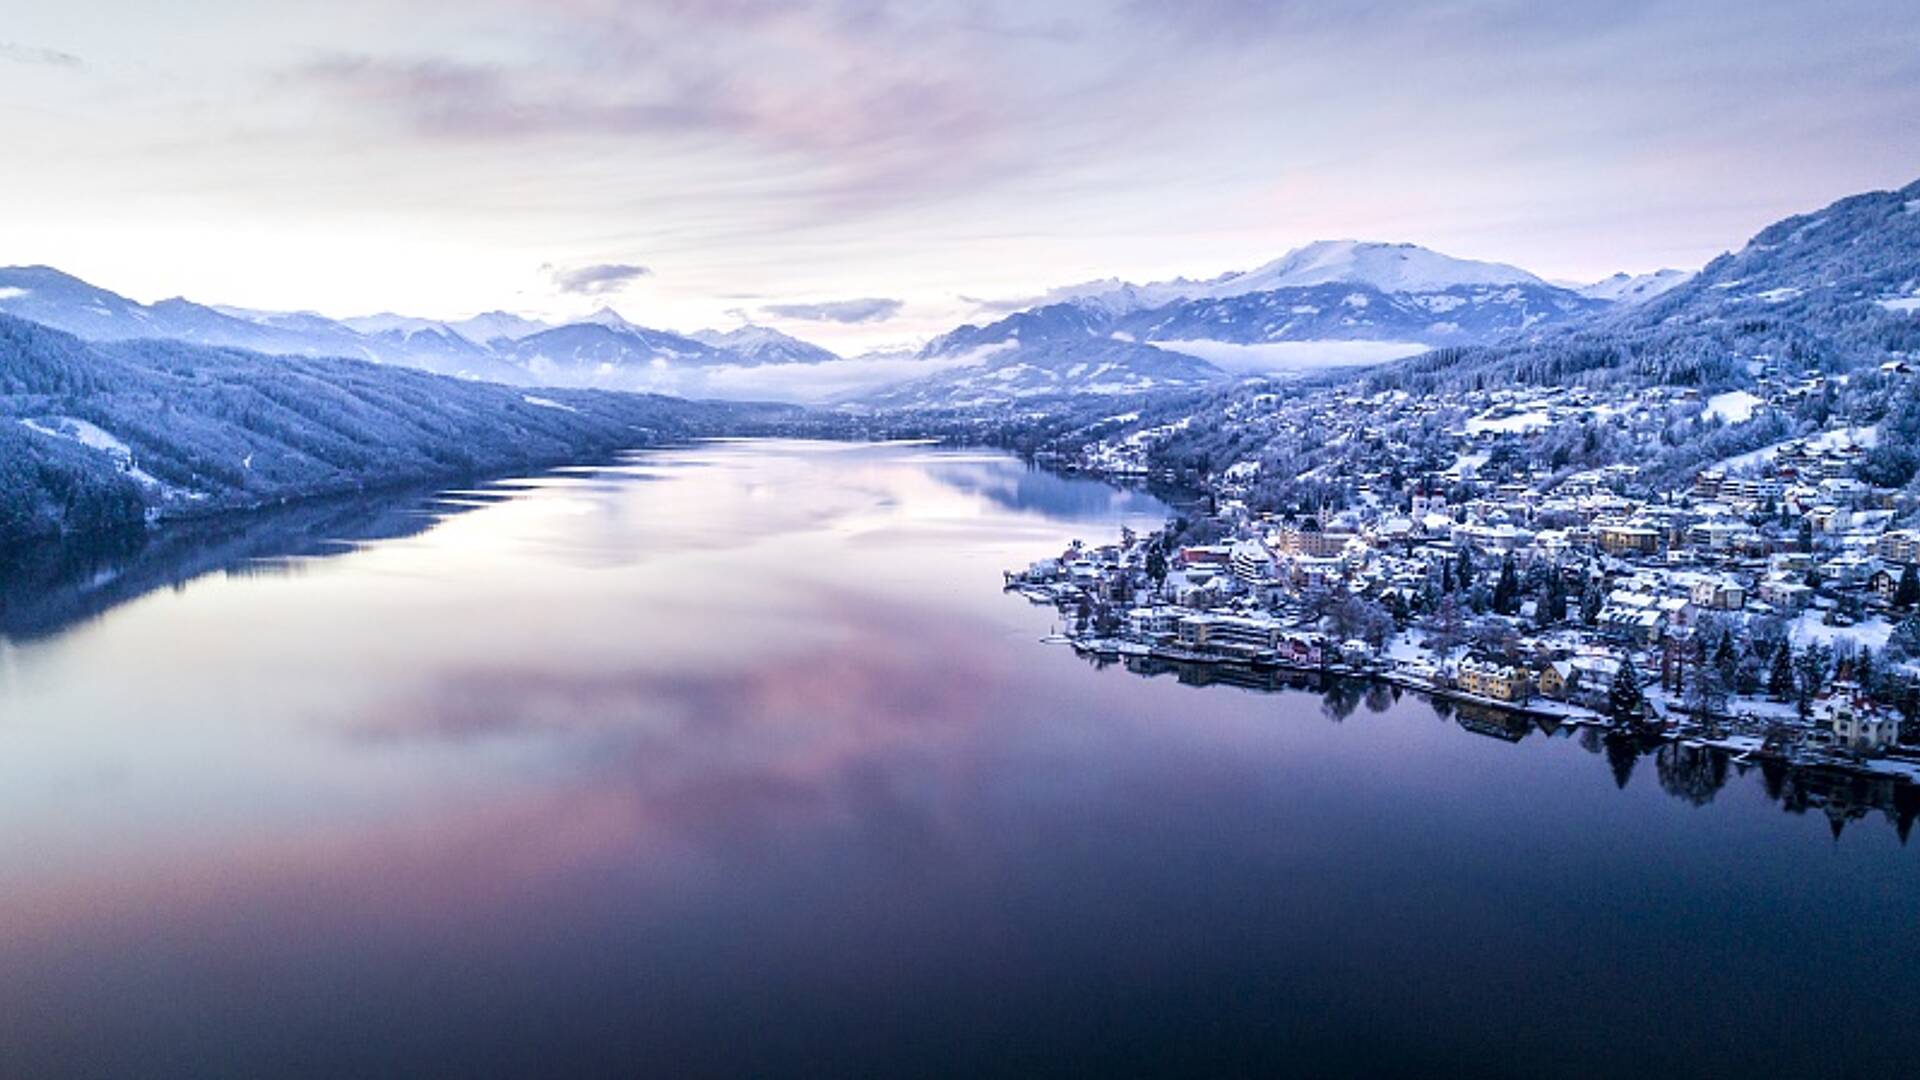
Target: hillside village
[(1765, 602)]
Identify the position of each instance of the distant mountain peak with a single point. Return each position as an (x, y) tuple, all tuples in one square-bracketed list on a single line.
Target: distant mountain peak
[(608, 318), (1389, 267), (494, 325), (1625, 288), (763, 344)]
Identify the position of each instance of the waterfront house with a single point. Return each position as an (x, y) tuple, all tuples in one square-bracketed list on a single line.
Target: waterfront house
[(1493, 679), (1855, 723)]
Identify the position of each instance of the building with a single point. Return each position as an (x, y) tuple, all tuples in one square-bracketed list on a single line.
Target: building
[(1719, 594), (1856, 724), (1629, 539), (1251, 562), (1785, 594), (1495, 680), (1556, 679), (1899, 546), (1232, 634), (1314, 543), (1885, 585), (1633, 616), (1154, 623)]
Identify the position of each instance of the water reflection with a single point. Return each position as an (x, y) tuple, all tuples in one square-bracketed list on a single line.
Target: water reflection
[(735, 759), (1691, 773), (50, 588), (1033, 489)]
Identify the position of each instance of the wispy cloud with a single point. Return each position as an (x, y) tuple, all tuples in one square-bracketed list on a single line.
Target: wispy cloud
[(1005, 306), (597, 280), (17, 53), (863, 310), (860, 100)]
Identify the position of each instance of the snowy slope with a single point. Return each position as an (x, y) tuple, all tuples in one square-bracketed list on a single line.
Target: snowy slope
[(1390, 268), (764, 345), (1626, 288)]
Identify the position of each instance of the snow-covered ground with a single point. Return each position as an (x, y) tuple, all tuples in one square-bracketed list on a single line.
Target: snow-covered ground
[(1865, 437), (94, 437), (1734, 406), (1517, 424), (1871, 633)]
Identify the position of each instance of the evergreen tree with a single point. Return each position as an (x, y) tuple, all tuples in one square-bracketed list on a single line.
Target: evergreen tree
[(1905, 639), (1624, 699), (1907, 593), (1506, 591), (1812, 667), (1726, 660), (1553, 602), (1157, 565), (1463, 576), (1780, 679), (1591, 602)]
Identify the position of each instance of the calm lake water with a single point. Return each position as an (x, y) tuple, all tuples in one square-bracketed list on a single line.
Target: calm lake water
[(735, 760)]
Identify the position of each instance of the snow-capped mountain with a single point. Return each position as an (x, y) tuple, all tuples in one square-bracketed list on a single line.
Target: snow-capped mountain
[(1390, 268), (387, 320), (1356, 311), (609, 352), (1010, 371), (1624, 288), (602, 350), (764, 345), (44, 295), (1402, 297), (491, 326)]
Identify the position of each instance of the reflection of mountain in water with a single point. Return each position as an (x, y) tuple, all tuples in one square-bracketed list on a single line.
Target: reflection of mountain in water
[(1691, 773), (1034, 489), (54, 587)]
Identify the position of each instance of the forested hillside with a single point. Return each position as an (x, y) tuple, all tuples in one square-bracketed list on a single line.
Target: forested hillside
[(101, 436), (1833, 290)]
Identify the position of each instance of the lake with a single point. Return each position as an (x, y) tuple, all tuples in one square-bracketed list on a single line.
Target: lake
[(734, 759)]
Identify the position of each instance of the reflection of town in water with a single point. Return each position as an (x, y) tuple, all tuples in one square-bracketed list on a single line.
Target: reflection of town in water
[(1692, 773)]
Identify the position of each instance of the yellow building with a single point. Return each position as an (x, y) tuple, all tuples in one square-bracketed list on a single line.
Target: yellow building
[(1629, 539), (1491, 679)]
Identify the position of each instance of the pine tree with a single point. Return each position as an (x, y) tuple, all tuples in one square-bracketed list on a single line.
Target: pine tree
[(1553, 603), (1726, 660), (1624, 699), (1591, 601), (1506, 591), (1780, 679), (1464, 576), (1907, 593), (1812, 667)]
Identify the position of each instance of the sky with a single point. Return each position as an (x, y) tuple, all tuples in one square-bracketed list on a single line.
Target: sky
[(864, 173)]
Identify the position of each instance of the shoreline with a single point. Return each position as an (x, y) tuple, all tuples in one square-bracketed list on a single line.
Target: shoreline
[(1740, 747)]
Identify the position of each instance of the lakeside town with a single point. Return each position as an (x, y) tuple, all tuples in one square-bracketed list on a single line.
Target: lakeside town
[(1765, 605)]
